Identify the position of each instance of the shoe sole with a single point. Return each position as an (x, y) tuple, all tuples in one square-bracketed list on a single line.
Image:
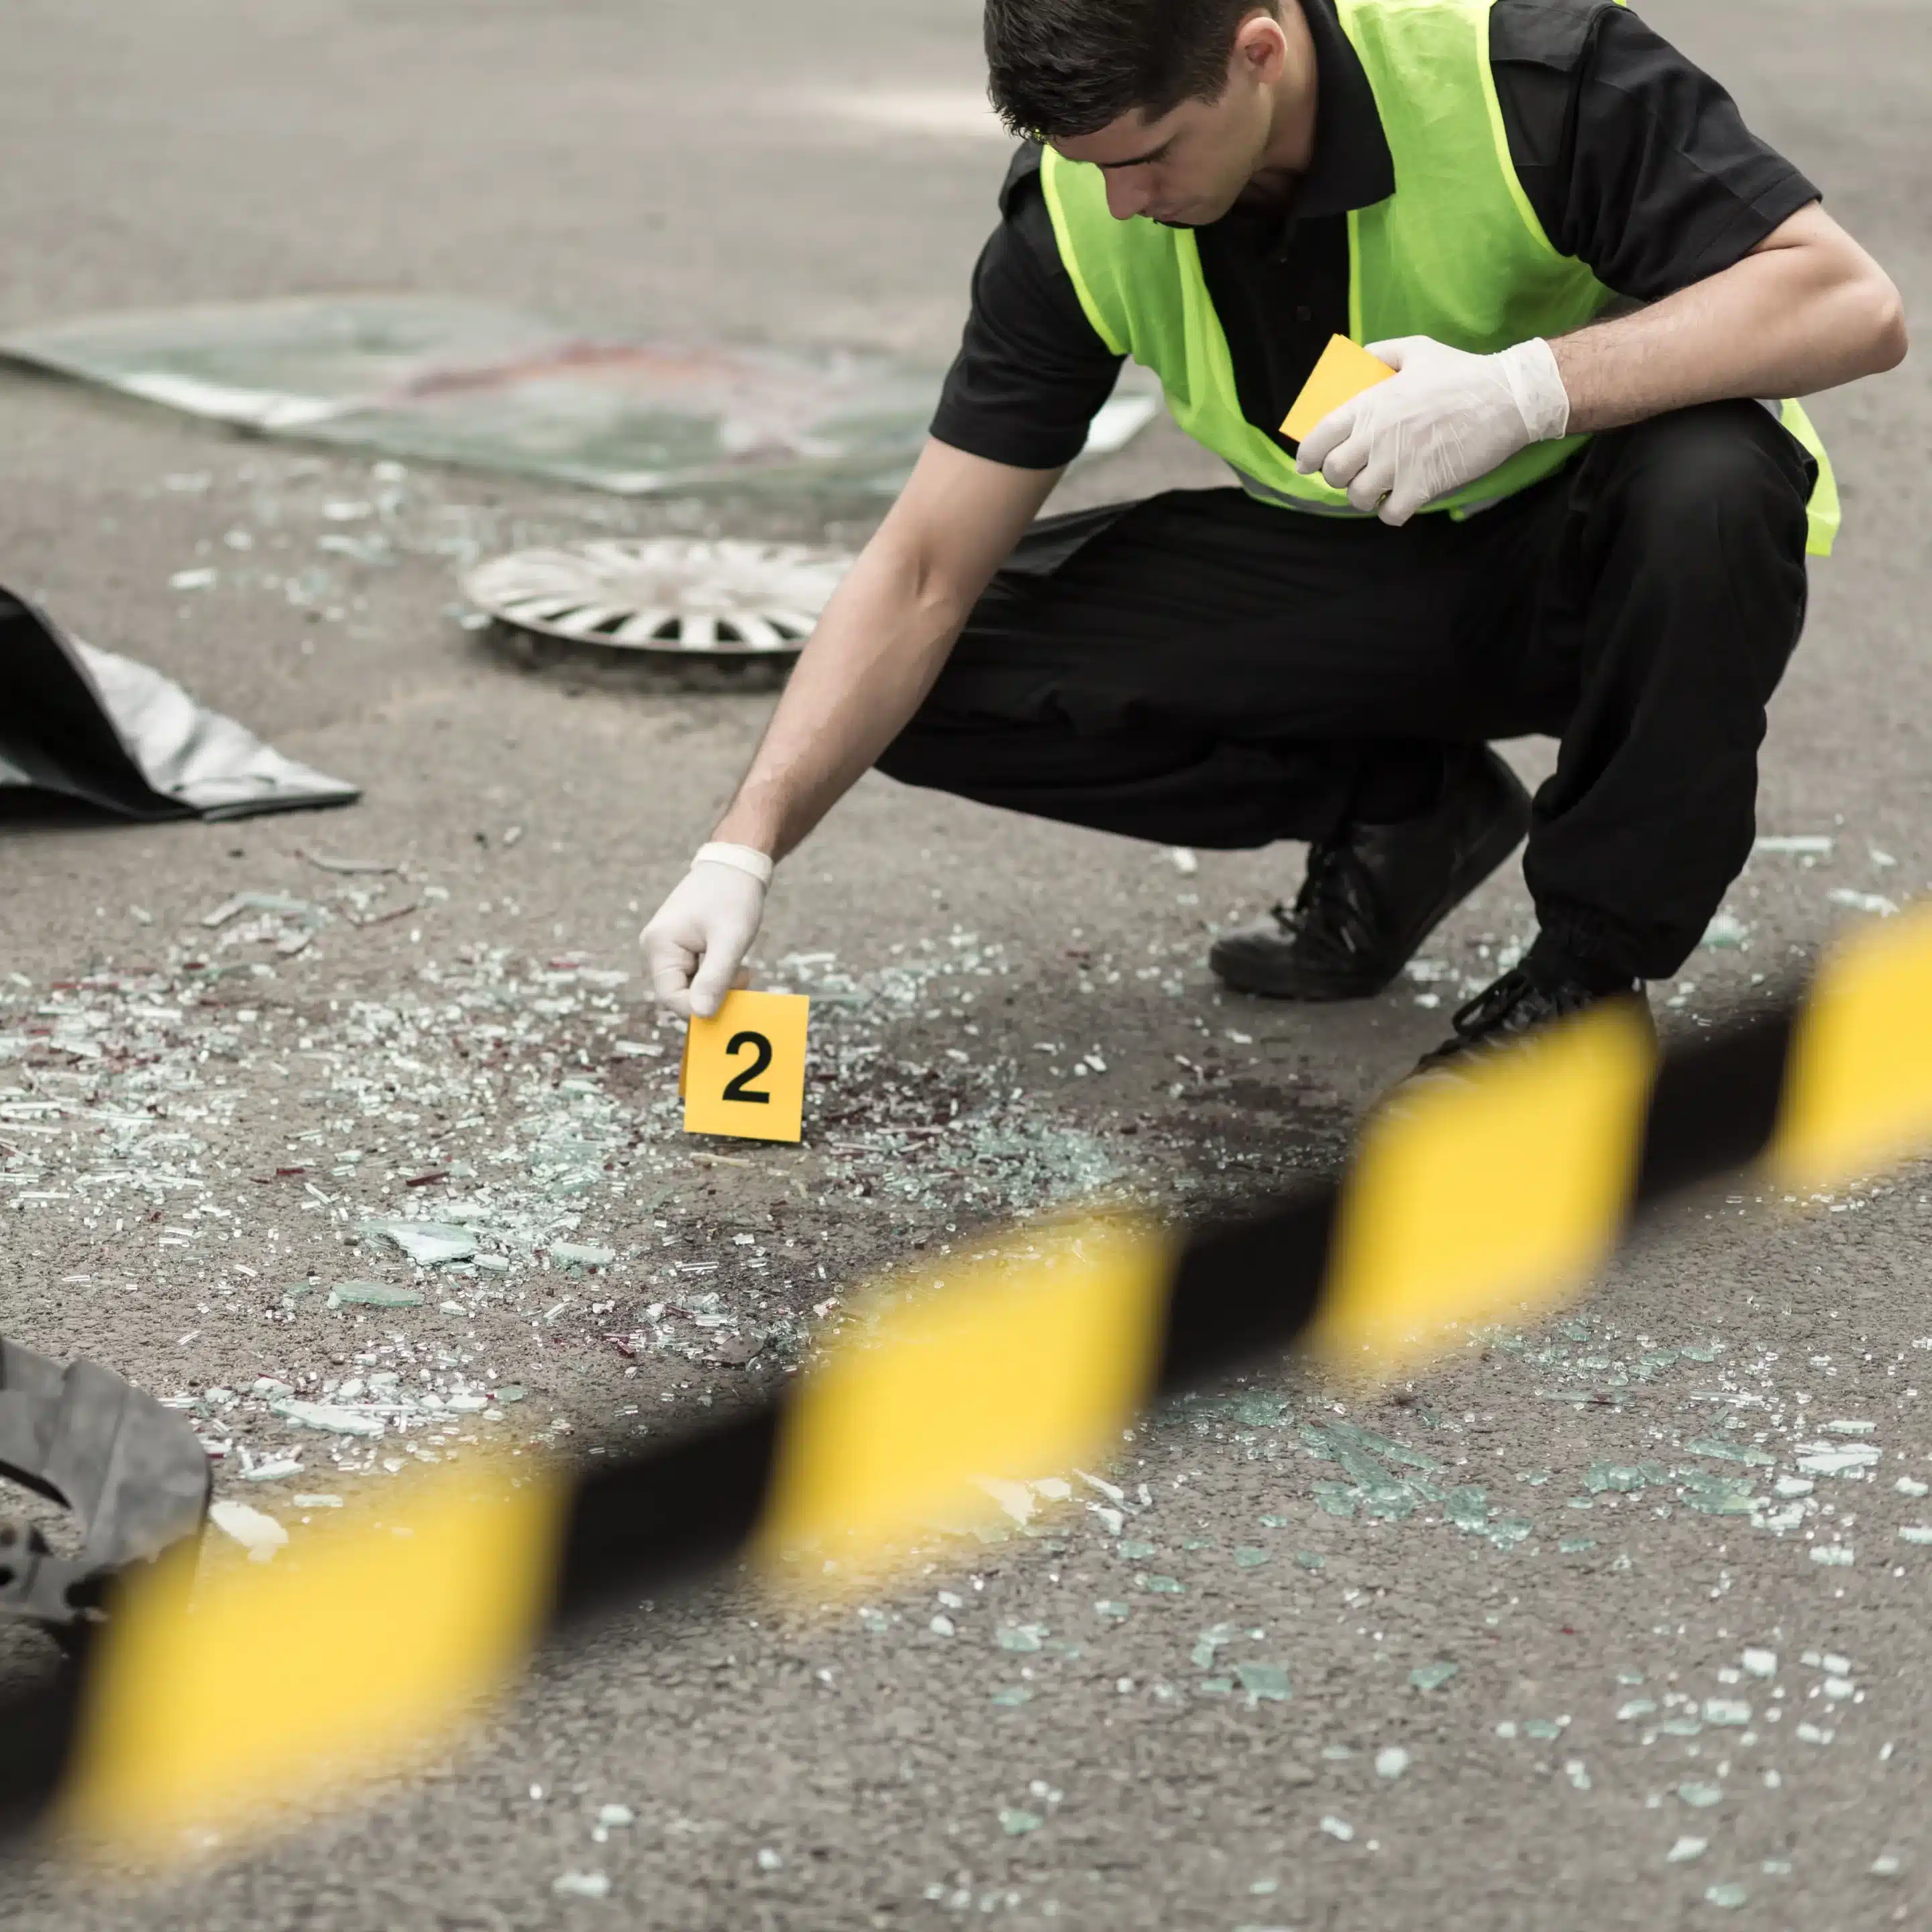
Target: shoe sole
[(1510, 830)]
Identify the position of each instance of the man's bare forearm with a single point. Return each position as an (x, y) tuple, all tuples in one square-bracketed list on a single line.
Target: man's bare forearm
[(1806, 311), (882, 641), (873, 658)]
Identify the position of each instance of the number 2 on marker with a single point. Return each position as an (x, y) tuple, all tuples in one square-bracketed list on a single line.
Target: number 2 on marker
[(744, 1068), (740, 1089)]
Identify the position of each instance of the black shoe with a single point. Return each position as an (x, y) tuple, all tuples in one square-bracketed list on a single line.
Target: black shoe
[(1375, 893), (1522, 1000)]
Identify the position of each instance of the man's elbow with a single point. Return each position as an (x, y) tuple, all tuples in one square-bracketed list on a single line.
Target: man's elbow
[(1882, 313)]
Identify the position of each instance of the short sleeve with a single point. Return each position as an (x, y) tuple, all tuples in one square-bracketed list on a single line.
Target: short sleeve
[(1637, 162), (1031, 374)]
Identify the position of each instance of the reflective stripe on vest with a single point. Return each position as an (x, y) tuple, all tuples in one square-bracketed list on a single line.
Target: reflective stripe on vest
[(1456, 253)]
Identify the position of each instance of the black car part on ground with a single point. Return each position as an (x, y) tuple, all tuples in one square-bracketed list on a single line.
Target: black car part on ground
[(133, 1472)]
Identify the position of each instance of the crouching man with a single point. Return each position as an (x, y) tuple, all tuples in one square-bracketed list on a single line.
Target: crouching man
[(1579, 508)]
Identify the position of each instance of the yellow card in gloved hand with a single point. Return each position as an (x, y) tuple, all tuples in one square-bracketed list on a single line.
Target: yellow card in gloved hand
[(744, 1068), (1344, 370)]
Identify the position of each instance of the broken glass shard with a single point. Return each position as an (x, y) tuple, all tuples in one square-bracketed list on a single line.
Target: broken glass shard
[(1432, 1676), (1264, 1680), (1838, 1459), (1717, 1496), (1621, 1476), (328, 1418), (1743, 1453), (575, 1255), (257, 1532), (373, 1294), (429, 1244), (1217, 1636)]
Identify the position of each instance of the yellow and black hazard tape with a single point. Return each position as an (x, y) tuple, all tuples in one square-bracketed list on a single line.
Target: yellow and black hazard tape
[(1465, 1201)]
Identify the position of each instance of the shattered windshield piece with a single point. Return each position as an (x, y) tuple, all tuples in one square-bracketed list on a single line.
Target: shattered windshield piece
[(452, 381)]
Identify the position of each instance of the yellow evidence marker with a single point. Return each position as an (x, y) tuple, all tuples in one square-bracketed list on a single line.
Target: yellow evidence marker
[(1344, 370), (744, 1068)]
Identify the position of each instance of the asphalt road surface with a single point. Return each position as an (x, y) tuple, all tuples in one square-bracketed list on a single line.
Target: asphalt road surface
[(1660, 1540)]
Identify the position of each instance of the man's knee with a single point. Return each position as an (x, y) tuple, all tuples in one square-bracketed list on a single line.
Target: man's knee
[(1724, 467)]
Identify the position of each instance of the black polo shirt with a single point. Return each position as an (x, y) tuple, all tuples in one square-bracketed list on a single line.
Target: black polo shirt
[(1635, 161)]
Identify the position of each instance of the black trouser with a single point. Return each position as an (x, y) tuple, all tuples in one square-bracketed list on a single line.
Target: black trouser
[(1202, 669)]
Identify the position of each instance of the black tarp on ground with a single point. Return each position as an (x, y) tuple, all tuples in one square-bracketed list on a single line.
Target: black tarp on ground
[(85, 724)]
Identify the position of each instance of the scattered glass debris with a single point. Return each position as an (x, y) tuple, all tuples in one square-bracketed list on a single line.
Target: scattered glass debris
[(1432, 1676)]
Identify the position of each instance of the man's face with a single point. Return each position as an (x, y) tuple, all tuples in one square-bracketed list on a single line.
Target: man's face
[(1187, 168)]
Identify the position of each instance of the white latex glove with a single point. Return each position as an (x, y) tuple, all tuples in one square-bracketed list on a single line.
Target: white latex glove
[(1445, 419), (698, 940)]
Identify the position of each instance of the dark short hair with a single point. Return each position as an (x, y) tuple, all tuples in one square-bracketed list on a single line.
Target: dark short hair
[(1073, 67)]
